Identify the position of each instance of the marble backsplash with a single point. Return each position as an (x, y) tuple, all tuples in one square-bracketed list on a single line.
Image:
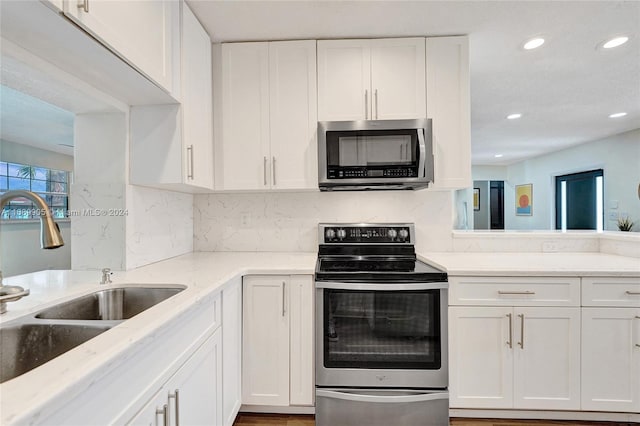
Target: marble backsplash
[(159, 225), (288, 222)]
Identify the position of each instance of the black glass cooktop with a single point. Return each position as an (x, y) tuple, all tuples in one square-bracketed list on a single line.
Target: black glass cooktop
[(377, 270)]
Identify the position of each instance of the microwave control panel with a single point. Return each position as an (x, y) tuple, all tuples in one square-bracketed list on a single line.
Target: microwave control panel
[(366, 172)]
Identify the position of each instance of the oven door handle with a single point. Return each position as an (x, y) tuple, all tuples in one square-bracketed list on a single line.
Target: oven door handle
[(348, 396), (381, 286)]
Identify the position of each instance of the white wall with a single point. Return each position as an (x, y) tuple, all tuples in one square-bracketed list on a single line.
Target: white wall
[(20, 250), (25, 154), (618, 156), (481, 218), (289, 221)]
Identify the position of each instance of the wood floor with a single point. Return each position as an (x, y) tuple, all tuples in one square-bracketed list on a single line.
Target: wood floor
[(245, 419)]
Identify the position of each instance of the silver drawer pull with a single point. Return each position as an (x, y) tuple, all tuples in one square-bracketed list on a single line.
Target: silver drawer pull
[(633, 293), (84, 5), (510, 342), (517, 292)]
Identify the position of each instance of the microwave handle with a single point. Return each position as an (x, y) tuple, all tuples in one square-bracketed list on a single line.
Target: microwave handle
[(423, 153)]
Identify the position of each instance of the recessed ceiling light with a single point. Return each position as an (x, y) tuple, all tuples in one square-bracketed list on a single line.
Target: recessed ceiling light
[(618, 115), (533, 43), (498, 155), (615, 42), (513, 116)]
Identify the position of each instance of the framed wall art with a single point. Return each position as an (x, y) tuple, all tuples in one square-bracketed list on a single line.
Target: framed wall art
[(524, 200), (476, 199)]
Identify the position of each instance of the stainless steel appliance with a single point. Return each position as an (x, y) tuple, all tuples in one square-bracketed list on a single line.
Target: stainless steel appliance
[(381, 329), (374, 154)]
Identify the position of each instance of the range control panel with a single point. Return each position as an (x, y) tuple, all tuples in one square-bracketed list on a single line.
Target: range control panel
[(366, 233)]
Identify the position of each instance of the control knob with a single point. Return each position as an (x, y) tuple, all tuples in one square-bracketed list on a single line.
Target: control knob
[(392, 233), (330, 234), (342, 233), (403, 234)]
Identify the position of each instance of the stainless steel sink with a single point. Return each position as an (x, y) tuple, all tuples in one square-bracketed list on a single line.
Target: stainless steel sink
[(24, 347), (110, 304), (31, 341)]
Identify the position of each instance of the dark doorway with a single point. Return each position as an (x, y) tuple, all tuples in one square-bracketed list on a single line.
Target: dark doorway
[(496, 204), (579, 200)]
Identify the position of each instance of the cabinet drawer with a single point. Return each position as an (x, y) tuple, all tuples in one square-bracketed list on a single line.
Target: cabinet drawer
[(515, 291), (614, 292)]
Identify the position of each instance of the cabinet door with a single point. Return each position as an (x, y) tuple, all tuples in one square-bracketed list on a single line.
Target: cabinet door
[(301, 383), (547, 358), (197, 133), (611, 359), (344, 80), (142, 32), (398, 78), (480, 357), (265, 341), (231, 350), (448, 105), (242, 161), (293, 116), (192, 396), (195, 392)]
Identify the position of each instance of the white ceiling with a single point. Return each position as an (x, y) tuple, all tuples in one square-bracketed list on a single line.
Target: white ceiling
[(31, 121), (565, 90)]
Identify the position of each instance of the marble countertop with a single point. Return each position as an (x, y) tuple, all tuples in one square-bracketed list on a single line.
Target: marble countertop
[(202, 273), (540, 264)]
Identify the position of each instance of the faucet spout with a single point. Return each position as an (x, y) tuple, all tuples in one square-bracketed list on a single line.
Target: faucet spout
[(50, 236)]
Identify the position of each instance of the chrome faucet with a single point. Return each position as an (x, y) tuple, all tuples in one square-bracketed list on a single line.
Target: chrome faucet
[(50, 238), (106, 276)]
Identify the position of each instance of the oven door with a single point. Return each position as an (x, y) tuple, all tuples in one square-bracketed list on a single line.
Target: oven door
[(381, 335)]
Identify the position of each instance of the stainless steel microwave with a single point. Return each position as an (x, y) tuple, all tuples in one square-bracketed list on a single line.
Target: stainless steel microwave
[(374, 154)]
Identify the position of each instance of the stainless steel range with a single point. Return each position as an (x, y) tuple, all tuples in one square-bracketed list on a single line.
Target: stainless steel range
[(381, 329)]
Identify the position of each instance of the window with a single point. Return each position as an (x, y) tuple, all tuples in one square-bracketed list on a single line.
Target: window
[(51, 185)]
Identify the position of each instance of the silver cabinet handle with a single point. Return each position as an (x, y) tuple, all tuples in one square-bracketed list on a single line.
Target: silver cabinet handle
[(375, 94), (273, 167), (165, 417), (264, 170), (190, 162), (634, 293), (366, 104), (516, 292), (176, 396), (510, 342), (84, 5), (284, 285), (521, 342)]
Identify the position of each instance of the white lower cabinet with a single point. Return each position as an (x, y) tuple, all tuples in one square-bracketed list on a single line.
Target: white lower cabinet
[(231, 350), (611, 359), (277, 349), (505, 357), (193, 395)]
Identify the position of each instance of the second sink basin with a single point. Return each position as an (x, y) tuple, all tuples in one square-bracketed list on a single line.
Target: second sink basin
[(26, 346), (110, 304)]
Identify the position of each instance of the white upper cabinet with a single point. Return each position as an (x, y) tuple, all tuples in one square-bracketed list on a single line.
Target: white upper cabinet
[(269, 119), (448, 105), (371, 79), (172, 145), (197, 107), (141, 32)]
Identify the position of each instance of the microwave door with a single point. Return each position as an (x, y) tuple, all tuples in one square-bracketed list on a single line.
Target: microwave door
[(389, 150)]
